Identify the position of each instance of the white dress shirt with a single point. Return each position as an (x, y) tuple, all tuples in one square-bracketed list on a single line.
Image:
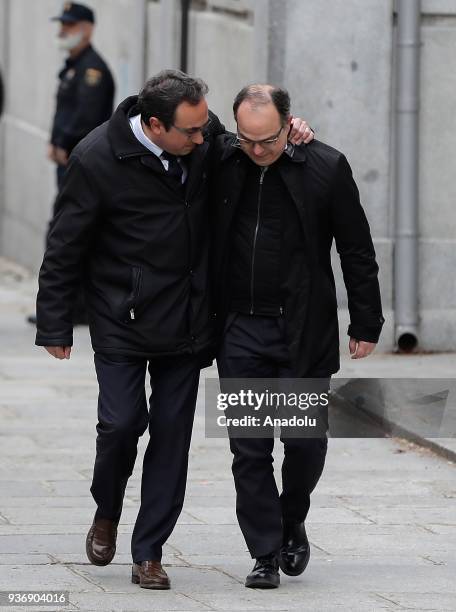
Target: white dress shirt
[(137, 128)]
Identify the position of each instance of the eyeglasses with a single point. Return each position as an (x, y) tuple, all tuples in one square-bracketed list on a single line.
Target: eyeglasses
[(267, 143), (189, 132)]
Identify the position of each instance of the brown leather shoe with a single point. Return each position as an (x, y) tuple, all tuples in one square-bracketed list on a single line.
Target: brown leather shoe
[(150, 575), (101, 541)]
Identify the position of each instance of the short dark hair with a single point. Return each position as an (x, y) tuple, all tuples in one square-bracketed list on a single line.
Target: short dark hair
[(258, 95), (163, 93)]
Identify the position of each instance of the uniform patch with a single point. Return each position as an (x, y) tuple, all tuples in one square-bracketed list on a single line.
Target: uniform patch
[(92, 76), (70, 73)]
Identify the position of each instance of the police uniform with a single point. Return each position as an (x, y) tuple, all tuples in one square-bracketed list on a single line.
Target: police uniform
[(84, 99), (86, 91)]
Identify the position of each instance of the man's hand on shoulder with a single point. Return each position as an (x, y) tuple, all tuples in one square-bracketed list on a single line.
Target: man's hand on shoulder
[(359, 349), (59, 352), (300, 132)]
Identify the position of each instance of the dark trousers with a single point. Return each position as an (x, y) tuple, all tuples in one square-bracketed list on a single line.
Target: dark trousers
[(254, 347), (123, 416)]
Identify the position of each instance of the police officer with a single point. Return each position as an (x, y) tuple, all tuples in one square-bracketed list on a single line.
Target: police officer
[(86, 91)]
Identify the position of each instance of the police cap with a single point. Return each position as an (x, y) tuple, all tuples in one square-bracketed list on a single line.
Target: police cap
[(73, 12)]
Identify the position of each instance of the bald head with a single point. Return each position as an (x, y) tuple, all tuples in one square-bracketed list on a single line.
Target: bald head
[(259, 95)]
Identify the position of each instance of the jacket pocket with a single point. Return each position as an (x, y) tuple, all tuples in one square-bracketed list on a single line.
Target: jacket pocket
[(133, 298)]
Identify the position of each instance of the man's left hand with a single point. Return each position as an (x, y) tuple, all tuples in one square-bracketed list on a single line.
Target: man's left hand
[(300, 132), (359, 349)]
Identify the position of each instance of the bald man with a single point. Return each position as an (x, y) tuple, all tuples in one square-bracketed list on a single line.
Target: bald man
[(278, 207)]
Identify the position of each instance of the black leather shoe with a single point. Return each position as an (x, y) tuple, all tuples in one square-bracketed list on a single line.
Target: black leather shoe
[(265, 574), (295, 552)]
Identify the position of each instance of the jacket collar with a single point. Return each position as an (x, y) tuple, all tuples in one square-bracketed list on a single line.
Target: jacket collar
[(123, 142), (296, 153)]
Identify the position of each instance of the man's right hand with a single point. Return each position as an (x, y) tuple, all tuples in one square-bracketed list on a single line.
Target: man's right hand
[(59, 352)]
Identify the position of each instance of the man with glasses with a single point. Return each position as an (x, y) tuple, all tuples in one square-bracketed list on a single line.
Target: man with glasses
[(278, 208), (133, 206)]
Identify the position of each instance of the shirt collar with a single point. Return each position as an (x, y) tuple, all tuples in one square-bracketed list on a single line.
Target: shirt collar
[(136, 126)]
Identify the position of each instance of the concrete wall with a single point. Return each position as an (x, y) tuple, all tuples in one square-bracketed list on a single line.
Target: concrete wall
[(28, 179), (221, 49), (437, 211), (231, 67), (336, 57)]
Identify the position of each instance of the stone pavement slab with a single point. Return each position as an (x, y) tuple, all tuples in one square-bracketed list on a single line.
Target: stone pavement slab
[(382, 524)]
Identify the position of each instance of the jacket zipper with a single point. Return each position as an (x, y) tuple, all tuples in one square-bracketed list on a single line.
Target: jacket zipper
[(255, 236), (137, 274)]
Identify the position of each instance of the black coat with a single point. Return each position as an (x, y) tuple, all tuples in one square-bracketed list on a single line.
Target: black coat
[(144, 244), (84, 98), (320, 182)]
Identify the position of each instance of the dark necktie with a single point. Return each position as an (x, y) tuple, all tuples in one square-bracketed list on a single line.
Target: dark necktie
[(174, 168)]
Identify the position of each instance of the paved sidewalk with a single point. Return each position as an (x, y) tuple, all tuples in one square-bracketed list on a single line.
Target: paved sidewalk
[(382, 523)]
